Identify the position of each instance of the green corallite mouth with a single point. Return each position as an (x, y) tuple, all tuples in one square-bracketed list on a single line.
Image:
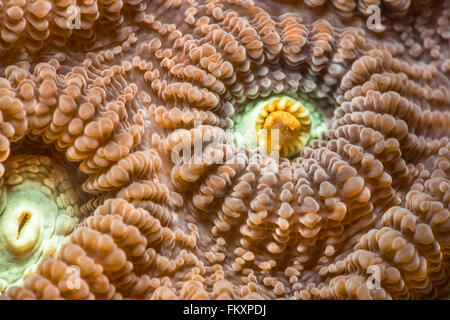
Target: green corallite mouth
[(38, 209)]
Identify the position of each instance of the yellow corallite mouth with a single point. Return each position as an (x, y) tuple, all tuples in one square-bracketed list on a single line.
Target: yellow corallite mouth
[(283, 124)]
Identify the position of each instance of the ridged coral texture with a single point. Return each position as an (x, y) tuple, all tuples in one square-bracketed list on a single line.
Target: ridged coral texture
[(111, 99)]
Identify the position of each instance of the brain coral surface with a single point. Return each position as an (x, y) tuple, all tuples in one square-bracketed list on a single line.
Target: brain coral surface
[(133, 162)]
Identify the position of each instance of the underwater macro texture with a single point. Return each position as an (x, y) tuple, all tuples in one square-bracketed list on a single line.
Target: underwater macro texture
[(90, 118)]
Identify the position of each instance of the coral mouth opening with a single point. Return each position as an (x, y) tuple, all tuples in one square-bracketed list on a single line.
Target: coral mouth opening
[(23, 220), (39, 209), (282, 124)]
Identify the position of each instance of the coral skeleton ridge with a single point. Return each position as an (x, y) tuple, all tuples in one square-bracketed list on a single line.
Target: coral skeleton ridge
[(97, 97)]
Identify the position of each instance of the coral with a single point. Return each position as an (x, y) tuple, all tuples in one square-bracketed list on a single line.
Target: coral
[(130, 119), (39, 209), (281, 123)]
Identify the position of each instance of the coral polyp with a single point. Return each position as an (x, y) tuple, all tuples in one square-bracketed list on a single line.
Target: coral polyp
[(279, 123), (38, 212)]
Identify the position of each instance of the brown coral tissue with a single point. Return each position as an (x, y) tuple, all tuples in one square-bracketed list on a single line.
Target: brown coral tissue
[(96, 96)]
